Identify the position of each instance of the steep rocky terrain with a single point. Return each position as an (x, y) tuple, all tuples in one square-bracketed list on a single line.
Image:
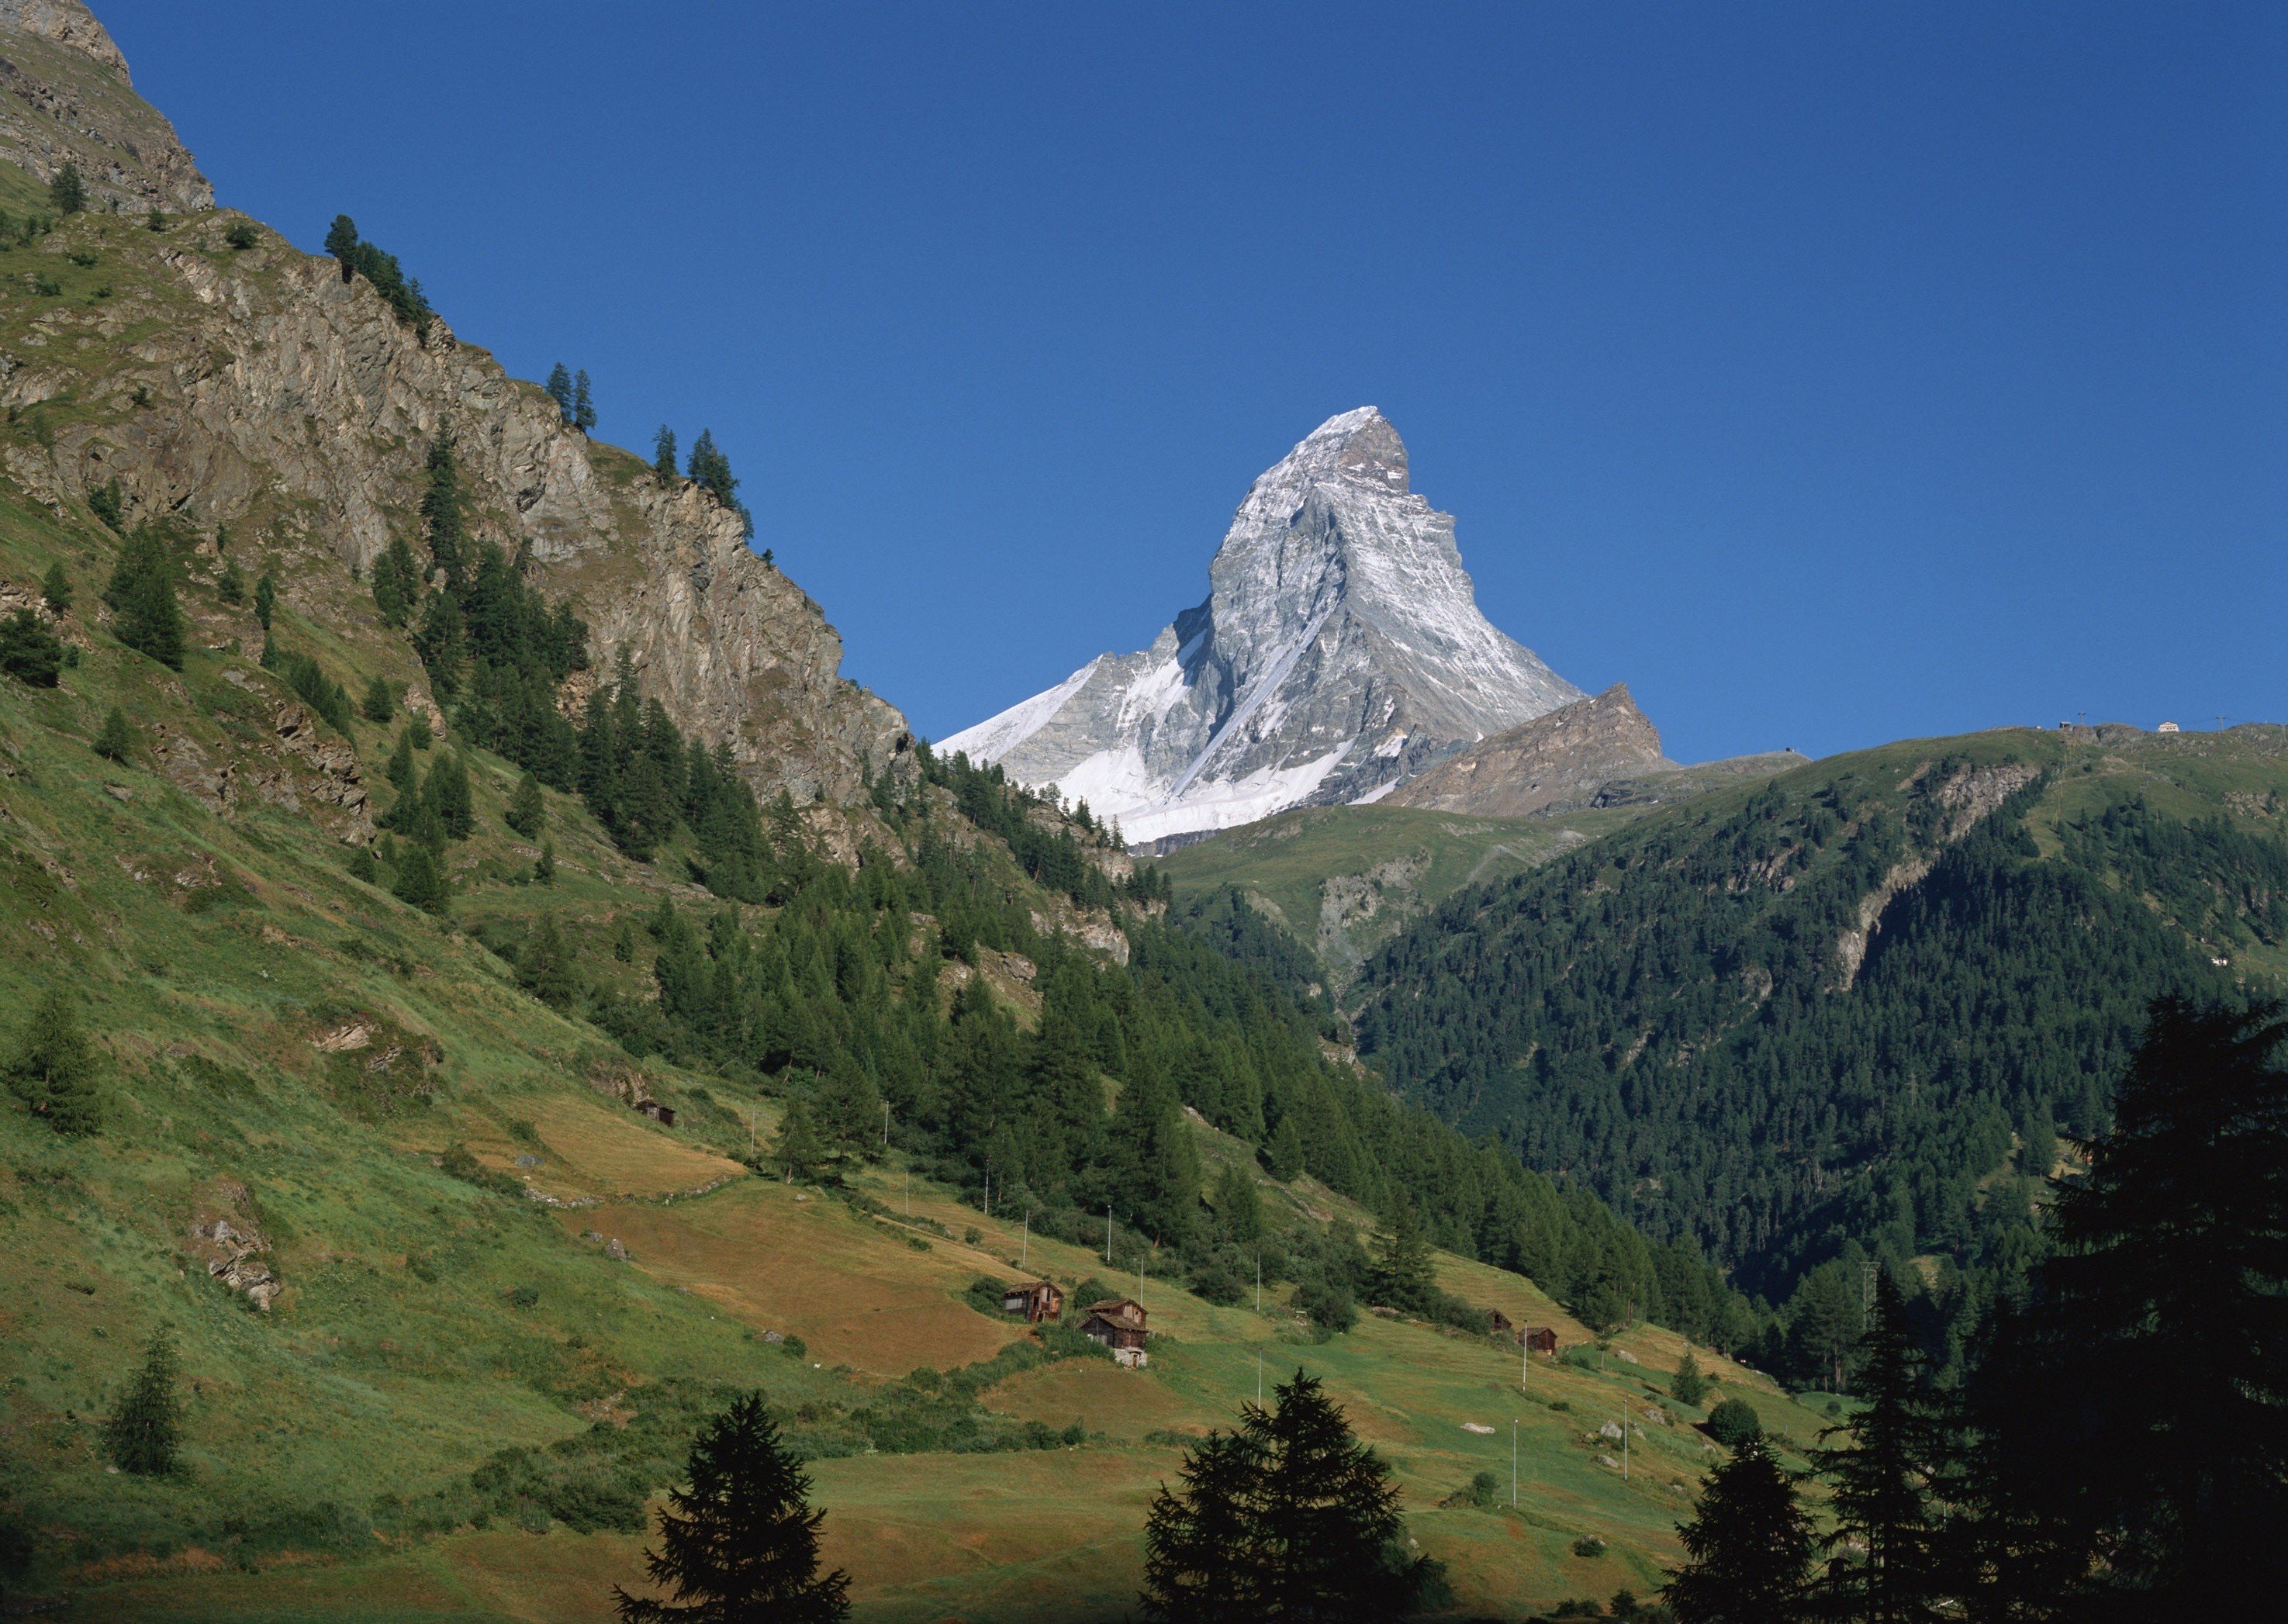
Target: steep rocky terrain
[(256, 389), (1340, 649), (66, 98), (1562, 758)]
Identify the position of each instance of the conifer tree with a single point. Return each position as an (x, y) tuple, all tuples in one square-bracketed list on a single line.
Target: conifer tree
[(232, 587), (266, 599), (1404, 1277), (400, 771), (446, 793), (145, 615), (396, 581), (116, 741), (66, 191), (1748, 1548), (443, 522), (29, 652), (544, 867), (145, 1431), (559, 390), (546, 967), (1882, 1481), (2133, 1426), (528, 809), (443, 645), (420, 882), (109, 503), (800, 1151), (584, 403), (1283, 1158), (380, 703), (342, 242), (1239, 1208), (1688, 1386), (56, 588), (663, 455), (1299, 1521), (740, 1545), (52, 1070)]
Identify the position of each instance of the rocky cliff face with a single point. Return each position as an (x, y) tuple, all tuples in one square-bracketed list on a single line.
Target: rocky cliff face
[(257, 389), (1559, 759), (66, 98), (1340, 649)]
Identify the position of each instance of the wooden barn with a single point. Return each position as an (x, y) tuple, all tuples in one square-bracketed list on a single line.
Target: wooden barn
[(1541, 1339), (1118, 1323), (664, 1116), (1502, 1323), (1035, 1300)]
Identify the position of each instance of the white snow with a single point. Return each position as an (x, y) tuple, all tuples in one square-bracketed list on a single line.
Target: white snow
[(1377, 793), (997, 735)]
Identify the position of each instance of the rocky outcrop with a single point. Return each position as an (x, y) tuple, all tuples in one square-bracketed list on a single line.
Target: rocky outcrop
[(66, 98), (295, 407), (1561, 757), (225, 1235), (1339, 652)]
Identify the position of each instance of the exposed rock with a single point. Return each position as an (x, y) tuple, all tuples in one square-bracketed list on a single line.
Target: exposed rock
[(66, 98), (1340, 649), (1564, 756), (186, 766), (225, 1234)]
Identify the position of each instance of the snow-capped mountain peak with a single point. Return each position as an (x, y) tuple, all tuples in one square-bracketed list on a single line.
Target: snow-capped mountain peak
[(1340, 649)]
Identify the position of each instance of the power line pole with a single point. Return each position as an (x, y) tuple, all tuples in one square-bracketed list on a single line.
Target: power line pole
[(885, 1127), (1524, 1354), (1513, 1462), (1258, 1300)]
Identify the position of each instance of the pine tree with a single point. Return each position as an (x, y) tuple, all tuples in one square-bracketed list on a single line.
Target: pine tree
[(1239, 1208), (66, 191), (145, 615), (29, 652), (544, 867), (446, 793), (1748, 1548), (1404, 1277), (1283, 1158), (528, 808), (663, 455), (1882, 1494), (442, 520), (584, 403), (546, 967), (145, 1432), (396, 582), (1299, 1522), (342, 242), (266, 599), (52, 1071), (116, 741), (400, 771), (56, 588), (232, 587), (2133, 1425), (109, 503), (559, 390), (800, 1151), (420, 882), (443, 645), (740, 1546), (380, 703), (1688, 1386)]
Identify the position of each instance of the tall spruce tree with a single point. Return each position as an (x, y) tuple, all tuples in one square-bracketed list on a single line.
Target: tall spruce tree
[(420, 878), (559, 390), (52, 1070), (145, 1432), (663, 455), (56, 588), (1299, 1520), (1882, 1481), (144, 614), (528, 808), (584, 403), (342, 243), (116, 740), (1404, 1277), (2132, 1425), (266, 599), (396, 582), (1748, 1548), (66, 191), (740, 1545)]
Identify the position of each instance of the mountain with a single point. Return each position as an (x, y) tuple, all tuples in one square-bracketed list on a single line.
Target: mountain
[(1852, 1006), (407, 964), (66, 98), (1340, 651)]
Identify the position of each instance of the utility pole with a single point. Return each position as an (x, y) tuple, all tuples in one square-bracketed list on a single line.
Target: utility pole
[(1524, 1353), (1258, 1307), (1513, 1462), (1259, 1380), (1624, 1440)]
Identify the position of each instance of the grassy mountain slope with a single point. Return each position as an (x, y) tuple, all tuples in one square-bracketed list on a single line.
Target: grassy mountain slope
[(1858, 1004)]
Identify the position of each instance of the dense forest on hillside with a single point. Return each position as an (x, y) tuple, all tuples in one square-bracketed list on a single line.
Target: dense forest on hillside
[(1846, 1016)]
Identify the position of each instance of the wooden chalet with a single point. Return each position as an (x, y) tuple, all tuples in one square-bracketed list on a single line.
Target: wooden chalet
[(1118, 1323), (1502, 1323), (1035, 1300), (1541, 1339)]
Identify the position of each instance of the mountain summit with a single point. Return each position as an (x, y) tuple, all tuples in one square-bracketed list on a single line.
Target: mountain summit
[(1340, 651)]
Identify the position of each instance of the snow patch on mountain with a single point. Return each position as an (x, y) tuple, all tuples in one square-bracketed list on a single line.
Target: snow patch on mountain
[(1340, 651)]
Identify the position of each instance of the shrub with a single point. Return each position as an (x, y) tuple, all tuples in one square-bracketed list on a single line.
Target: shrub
[(1332, 1308), (107, 501), (1735, 1422), (1588, 1545), (66, 191), (116, 741), (241, 235), (1688, 1386)]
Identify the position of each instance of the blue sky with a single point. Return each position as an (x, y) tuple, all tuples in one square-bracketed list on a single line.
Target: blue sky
[(1829, 373)]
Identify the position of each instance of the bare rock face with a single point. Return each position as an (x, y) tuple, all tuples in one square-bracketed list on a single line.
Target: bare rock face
[(65, 98), (1559, 758), (1339, 652)]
